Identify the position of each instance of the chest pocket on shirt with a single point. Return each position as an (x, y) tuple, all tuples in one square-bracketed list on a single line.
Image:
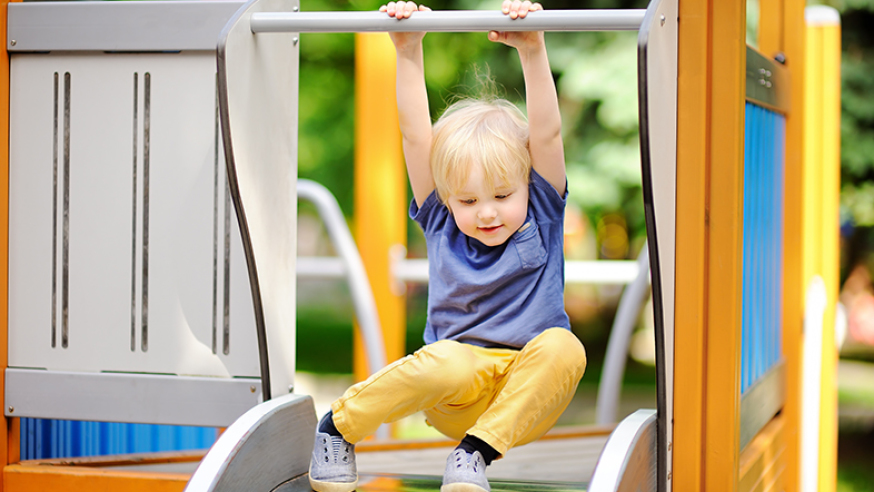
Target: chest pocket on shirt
[(530, 247)]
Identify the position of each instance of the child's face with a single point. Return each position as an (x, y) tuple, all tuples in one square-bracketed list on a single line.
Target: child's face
[(490, 216)]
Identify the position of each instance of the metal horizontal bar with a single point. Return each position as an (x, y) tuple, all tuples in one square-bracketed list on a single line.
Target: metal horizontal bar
[(321, 267), (448, 21)]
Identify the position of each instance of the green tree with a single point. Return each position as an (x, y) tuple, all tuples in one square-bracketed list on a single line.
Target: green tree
[(596, 77)]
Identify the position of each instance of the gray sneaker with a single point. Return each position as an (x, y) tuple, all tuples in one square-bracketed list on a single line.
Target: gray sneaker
[(332, 467), (465, 472)]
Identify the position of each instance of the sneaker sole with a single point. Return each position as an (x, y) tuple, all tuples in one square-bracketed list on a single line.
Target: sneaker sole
[(462, 487), (333, 486)]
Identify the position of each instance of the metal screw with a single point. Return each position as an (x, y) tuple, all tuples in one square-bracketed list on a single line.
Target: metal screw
[(13, 42), (295, 8), (295, 40), (762, 82), (252, 389), (11, 409), (662, 18), (768, 85), (767, 73), (291, 388), (762, 71)]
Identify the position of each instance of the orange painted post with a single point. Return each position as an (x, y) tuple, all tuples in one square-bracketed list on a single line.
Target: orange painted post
[(380, 186), (29, 478), (782, 31), (789, 26), (821, 182), (709, 239), (7, 451), (727, 66), (691, 273)]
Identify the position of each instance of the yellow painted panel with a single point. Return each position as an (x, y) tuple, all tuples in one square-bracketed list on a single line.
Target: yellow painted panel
[(691, 274), (821, 190), (830, 260), (380, 185)]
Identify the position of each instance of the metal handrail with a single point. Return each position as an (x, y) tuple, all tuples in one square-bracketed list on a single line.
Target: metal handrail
[(448, 21)]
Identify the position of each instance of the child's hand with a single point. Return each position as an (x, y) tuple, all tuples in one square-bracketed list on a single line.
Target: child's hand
[(517, 9), (403, 10)]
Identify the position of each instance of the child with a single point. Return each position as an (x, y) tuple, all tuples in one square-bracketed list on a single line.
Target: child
[(500, 363)]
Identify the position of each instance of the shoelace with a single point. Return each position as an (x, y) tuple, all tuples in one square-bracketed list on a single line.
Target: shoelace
[(336, 444), (460, 462)]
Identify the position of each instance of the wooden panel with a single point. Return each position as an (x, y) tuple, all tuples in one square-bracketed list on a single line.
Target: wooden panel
[(792, 45), (762, 465), (725, 156), (24, 478)]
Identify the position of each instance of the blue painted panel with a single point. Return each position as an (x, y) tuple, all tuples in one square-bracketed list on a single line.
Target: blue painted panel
[(42, 439), (762, 289)]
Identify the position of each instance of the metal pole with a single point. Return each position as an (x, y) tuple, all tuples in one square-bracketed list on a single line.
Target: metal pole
[(448, 21)]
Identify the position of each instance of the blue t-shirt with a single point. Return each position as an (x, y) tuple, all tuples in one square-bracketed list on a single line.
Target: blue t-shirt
[(495, 296)]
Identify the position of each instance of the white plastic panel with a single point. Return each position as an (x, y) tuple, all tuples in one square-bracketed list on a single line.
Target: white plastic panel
[(178, 201)]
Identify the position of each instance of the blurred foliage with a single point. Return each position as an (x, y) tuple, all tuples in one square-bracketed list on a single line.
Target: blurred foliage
[(595, 74)]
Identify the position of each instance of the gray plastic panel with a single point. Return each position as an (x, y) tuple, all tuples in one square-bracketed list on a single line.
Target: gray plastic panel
[(117, 26), (136, 398), (267, 449), (258, 94), (628, 462)]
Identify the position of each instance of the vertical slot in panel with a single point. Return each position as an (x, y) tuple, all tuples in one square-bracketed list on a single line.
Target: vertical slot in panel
[(55, 149), (147, 87), (215, 224), (134, 194), (65, 265)]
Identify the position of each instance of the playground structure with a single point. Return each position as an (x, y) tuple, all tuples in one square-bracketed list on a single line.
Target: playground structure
[(723, 345)]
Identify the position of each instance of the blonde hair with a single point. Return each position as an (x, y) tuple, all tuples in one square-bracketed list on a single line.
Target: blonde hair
[(491, 133)]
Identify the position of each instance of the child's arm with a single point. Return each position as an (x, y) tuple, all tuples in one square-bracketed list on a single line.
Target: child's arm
[(413, 114), (544, 119)]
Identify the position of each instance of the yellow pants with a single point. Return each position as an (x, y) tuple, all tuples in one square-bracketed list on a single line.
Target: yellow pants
[(504, 397)]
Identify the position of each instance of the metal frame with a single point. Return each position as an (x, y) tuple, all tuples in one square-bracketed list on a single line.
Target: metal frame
[(657, 71)]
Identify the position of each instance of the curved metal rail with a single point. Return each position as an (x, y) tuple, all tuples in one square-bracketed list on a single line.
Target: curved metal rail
[(356, 276)]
